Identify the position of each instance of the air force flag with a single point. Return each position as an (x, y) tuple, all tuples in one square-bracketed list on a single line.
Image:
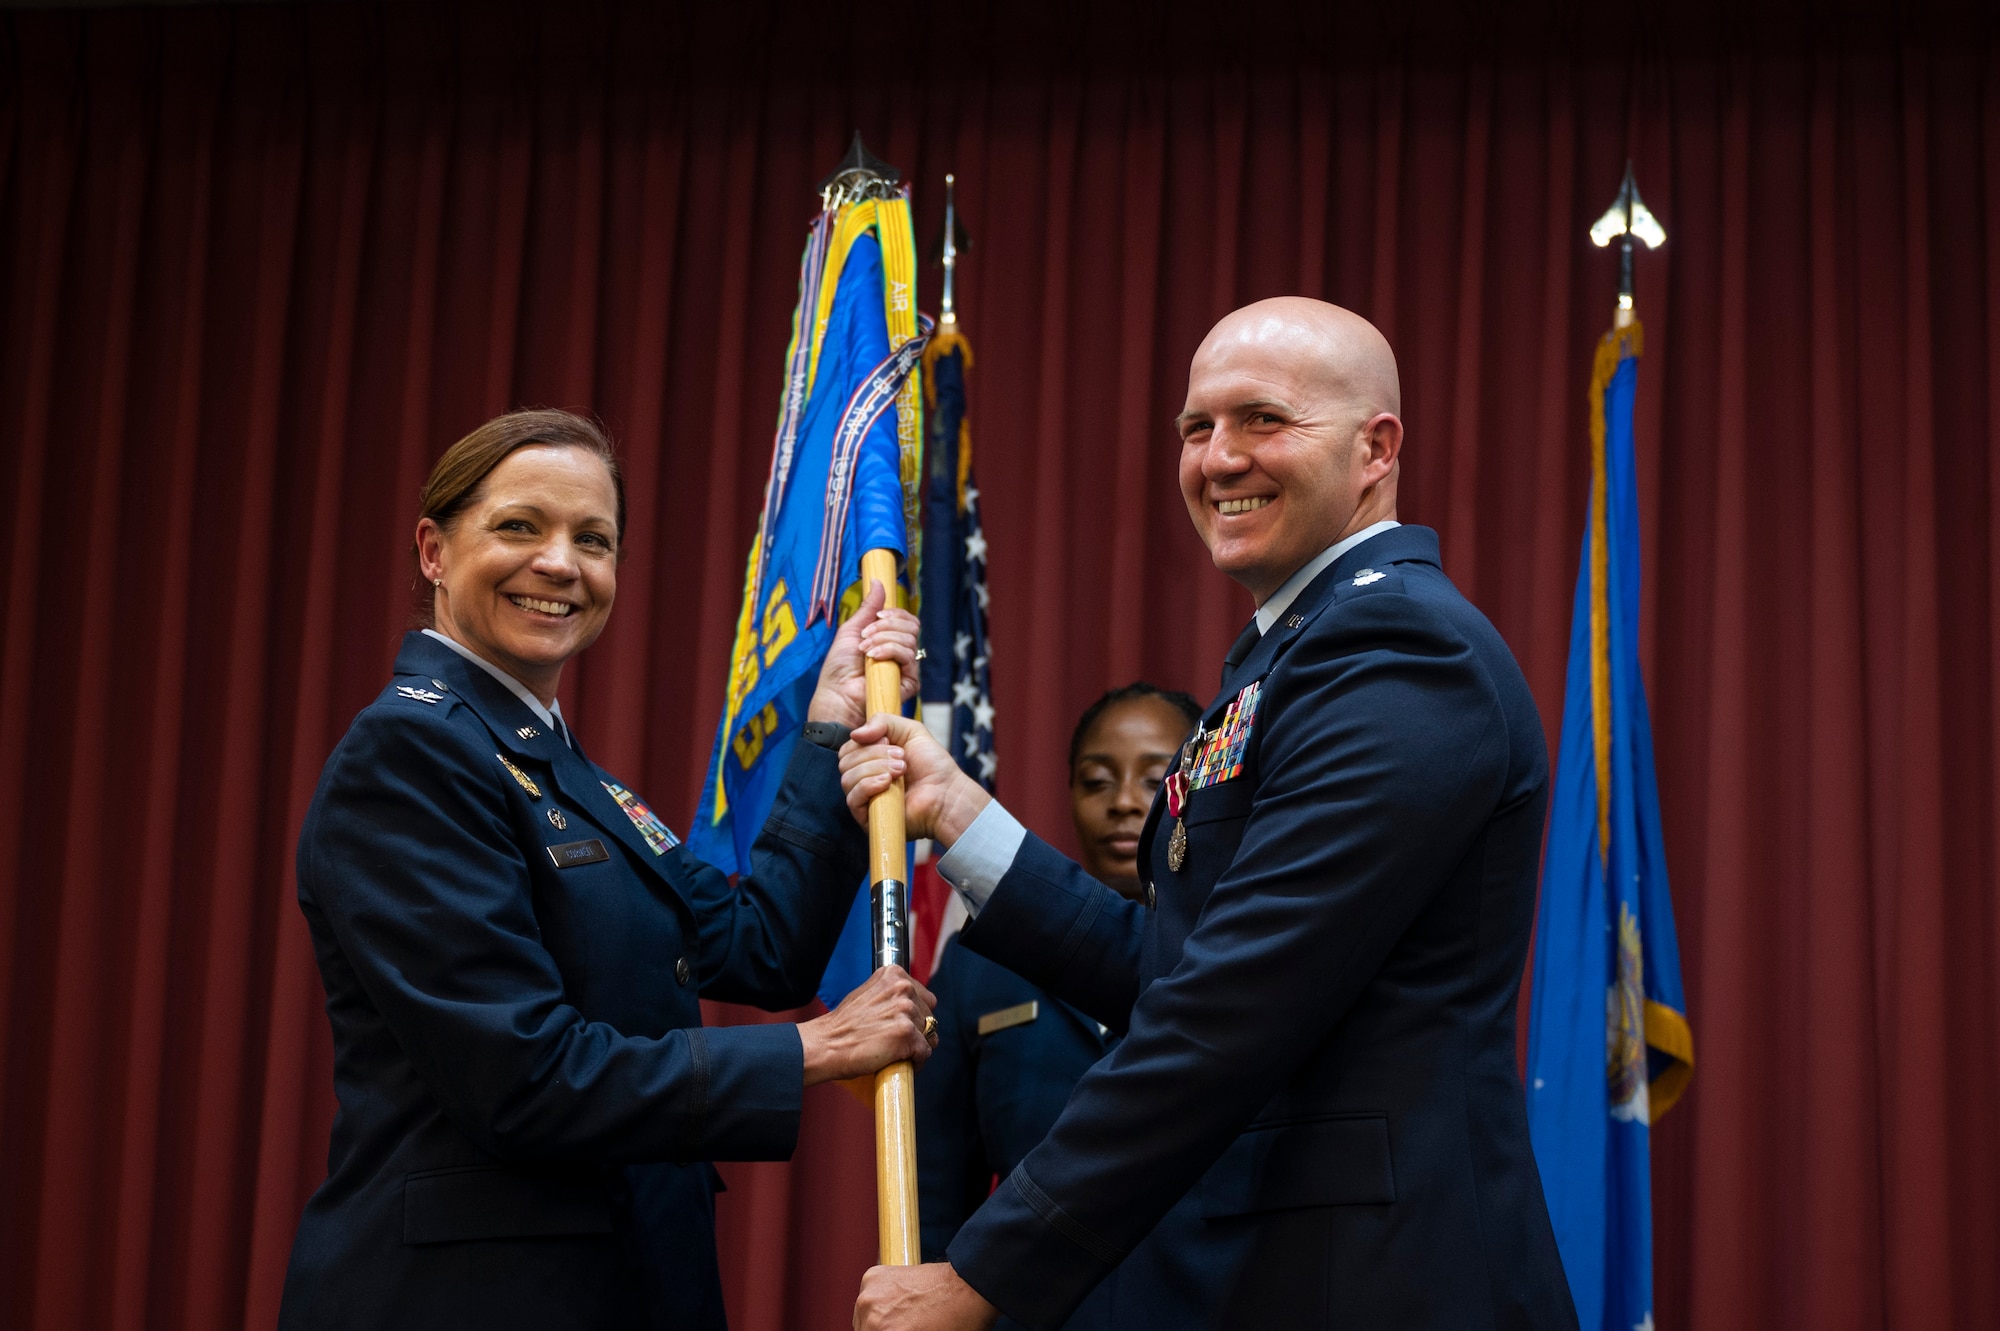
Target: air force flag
[(1609, 1047)]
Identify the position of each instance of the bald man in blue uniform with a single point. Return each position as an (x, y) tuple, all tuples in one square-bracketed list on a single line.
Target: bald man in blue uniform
[(1314, 1119)]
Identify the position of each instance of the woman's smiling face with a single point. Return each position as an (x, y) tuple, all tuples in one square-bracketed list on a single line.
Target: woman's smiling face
[(530, 566)]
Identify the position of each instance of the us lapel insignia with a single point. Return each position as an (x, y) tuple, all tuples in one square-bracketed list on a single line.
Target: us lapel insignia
[(420, 695), (658, 839), (1294, 621), (556, 819), (527, 732), (1368, 575), (527, 782)]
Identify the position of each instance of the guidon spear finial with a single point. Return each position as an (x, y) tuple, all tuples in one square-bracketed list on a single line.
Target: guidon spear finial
[(859, 175), (1625, 220)]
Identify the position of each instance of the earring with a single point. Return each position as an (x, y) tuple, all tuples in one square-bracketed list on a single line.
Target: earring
[(437, 582)]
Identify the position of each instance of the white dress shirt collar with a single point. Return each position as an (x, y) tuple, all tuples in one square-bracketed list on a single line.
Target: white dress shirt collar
[(1281, 599), (550, 716)]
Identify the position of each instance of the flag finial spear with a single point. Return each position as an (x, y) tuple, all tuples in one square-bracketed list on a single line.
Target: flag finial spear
[(948, 313), (1626, 219), (859, 175)]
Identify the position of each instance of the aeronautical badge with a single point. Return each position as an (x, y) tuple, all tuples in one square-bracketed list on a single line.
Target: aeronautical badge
[(1368, 575), (527, 782), (658, 839), (420, 695)]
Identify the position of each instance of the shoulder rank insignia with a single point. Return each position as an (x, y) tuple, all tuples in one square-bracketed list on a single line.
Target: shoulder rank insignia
[(1368, 575), (420, 695), (658, 839), (527, 782)]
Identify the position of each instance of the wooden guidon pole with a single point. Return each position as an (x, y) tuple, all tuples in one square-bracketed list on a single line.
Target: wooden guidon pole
[(889, 911)]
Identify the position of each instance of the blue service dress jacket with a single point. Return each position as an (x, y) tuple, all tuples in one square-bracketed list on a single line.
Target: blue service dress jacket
[(513, 951), (988, 1097), (1314, 1119)]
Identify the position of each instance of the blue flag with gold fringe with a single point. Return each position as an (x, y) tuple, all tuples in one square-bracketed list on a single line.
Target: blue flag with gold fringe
[(845, 467), (1609, 1046)]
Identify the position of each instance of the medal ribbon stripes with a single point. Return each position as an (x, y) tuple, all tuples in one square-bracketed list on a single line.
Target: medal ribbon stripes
[(658, 839), (1221, 755)]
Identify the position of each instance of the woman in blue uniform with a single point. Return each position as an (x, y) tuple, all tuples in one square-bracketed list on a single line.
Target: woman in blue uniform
[(514, 946), (1008, 1054)]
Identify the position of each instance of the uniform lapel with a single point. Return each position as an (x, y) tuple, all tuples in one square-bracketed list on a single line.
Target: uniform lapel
[(522, 735), (1252, 655), (1395, 546), (580, 781)]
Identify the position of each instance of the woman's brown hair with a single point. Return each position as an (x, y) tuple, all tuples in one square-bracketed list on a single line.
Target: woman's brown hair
[(455, 480)]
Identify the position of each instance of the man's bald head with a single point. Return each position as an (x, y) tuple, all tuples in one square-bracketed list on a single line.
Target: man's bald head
[(1337, 343), (1291, 436)]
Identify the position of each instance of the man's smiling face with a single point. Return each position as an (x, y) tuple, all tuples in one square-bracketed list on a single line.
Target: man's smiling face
[(1276, 459)]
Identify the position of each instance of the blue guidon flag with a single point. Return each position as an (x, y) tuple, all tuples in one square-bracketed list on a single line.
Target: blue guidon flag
[(844, 470), (1609, 1046)]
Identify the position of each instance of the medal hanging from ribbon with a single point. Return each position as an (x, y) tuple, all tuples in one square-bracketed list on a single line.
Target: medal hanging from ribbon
[(1177, 793)]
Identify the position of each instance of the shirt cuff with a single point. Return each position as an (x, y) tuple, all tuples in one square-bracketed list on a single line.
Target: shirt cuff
[(977, 861)]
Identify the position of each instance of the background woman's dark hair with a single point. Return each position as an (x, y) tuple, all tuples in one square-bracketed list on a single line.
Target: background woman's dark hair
[(455, 480), (1136, 689)]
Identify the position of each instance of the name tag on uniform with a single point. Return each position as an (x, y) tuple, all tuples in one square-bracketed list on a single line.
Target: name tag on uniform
[(1018, 1015), (572, 853)]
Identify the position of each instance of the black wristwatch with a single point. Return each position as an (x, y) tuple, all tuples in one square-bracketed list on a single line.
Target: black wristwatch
[(826, 734)]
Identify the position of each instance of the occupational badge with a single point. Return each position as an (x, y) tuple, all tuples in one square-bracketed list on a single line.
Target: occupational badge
[(658, 839), (527, 782), (420, 695)]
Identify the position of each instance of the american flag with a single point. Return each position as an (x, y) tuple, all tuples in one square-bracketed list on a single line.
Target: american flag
[(971, 668), (957, 686)]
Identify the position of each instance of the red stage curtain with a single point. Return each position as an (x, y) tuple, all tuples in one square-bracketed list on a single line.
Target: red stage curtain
[(259, 265)]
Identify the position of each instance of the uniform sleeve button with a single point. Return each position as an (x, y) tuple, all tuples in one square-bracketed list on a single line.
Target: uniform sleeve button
[(682, 971)]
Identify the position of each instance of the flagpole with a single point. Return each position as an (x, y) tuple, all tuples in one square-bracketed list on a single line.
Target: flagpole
[(862, 175), (889, 913)]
